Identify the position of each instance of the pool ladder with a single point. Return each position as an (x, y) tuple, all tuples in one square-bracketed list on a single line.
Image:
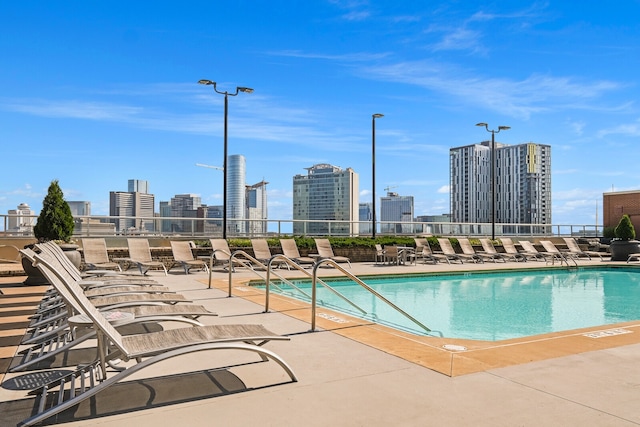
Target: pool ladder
[(249, 261), (314, 282)]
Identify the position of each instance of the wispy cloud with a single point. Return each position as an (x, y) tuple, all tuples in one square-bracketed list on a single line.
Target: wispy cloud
[(348, 57), (628, 129), (460, 39), (356, 10), (517, 98), (26, 190), (263, 119), (70, 109), (468, 33), (577, 126)]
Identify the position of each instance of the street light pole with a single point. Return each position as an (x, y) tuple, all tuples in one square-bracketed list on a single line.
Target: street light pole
[(224, 161), (373, 172), (493, 174)]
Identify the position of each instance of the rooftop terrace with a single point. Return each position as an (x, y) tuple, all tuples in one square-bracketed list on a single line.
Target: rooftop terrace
[(352, 372)]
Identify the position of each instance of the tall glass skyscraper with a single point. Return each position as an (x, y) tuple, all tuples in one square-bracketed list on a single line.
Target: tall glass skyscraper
[(236, 193), (326, 193), (138, 186)]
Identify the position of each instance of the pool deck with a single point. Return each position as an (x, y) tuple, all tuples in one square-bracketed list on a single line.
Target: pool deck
[(354, 373)]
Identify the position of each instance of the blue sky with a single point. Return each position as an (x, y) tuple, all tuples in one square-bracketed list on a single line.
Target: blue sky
[(94, 93)]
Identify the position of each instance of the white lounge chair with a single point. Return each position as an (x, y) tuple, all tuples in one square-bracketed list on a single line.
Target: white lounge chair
[(424, 251), (448, 251), (140, 254), (64, 338), (96, 256), (574, 248), (9, 254), (222, 254), (183, 256), (530, 251), (511, 251), (146, 349), (326, 251), (467, 249), (262, 254), (291, 251), (555, 254), (490, 250)]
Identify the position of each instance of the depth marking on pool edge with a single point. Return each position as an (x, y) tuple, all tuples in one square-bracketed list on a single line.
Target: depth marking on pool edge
[(607, 333), (335, 319)]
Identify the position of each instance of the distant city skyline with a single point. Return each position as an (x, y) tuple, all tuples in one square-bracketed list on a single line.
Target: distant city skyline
[(94, 105)]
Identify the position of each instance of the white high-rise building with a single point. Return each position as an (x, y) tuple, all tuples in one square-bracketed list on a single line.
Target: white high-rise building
[(523, 184), (326, 193), (22, 219), (236, 194), (256, 202)]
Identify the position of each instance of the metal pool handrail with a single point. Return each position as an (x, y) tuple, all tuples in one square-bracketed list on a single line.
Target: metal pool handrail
[(269, 270), (297, 266), (359, 282), (255, 261)]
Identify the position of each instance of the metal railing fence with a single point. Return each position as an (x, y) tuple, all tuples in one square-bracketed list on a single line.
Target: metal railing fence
[(104, 226)]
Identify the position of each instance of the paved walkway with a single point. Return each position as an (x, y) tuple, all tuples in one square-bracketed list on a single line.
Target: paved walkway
[(352, 375)]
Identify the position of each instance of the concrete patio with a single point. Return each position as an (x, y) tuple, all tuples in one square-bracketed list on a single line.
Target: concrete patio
[(353, 373)]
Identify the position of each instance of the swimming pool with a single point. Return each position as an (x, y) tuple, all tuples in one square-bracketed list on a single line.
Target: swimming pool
[(492, 306)]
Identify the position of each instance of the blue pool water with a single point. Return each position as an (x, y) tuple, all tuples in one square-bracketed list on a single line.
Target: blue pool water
[(493, 306)]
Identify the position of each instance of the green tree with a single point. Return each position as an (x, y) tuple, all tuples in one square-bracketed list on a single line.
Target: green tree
[(55, 221), (625, 229)]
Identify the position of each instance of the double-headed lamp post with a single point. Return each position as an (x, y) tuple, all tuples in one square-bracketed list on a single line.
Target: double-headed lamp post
[(224, 161), (493, 174), (373, 172)]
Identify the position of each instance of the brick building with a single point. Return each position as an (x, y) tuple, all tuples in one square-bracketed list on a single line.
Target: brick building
[(615, 204)]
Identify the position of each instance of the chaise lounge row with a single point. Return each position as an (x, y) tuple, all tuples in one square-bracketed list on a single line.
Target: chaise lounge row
[(77, 312), (96, 256), (447, 253)]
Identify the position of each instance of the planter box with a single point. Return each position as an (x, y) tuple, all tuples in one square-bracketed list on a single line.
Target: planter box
[(621, 249)]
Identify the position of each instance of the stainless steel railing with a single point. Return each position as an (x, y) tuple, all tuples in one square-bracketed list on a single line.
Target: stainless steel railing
[(104, 226)]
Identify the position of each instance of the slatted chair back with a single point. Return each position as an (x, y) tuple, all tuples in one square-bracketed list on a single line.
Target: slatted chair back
[(488, 247), (290, 248), (549, 246), (181, 251), (9, 254), (466, 247), (221, 250), (446, 246), (324, 248), (261, 250), (95, 251), (76, 297), (509, 246), (139, 250), (528, 246)]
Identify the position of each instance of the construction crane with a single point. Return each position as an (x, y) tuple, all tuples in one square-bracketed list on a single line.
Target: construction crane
[(210, 167), (389, 192)]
